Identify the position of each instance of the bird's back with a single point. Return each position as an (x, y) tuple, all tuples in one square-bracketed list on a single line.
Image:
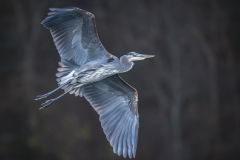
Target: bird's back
[(94, 74)]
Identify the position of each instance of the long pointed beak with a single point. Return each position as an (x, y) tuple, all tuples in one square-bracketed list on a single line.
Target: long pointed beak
[(146, 55), (138, 57)]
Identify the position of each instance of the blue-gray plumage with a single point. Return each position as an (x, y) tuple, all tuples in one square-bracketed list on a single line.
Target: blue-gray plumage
[(88, 70)]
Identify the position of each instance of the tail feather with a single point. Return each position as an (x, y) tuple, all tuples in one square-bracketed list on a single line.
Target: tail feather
[(73, 91), (65, 81), (66, 67), (79, 91), (69, 88), (62, 74)]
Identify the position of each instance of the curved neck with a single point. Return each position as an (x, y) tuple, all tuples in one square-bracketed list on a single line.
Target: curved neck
[(126, 65)]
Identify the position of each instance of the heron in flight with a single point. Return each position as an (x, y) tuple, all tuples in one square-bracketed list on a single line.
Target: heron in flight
[(88, 69)]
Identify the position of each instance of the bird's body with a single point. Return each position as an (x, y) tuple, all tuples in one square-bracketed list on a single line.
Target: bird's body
[(93, 71), (88, 70)]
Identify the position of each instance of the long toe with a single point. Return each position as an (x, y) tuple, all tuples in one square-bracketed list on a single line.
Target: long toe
[(46, 104), (38, 97)]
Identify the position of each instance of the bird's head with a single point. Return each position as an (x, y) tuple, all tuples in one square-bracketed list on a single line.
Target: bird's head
[(133, 56)]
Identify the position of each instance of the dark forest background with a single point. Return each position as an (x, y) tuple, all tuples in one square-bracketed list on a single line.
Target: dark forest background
[(189, 94)]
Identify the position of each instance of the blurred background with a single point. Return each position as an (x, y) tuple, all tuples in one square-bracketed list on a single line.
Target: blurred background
[(189, 94)]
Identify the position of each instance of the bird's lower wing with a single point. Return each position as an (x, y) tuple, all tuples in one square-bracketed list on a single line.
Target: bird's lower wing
[(116, 103)]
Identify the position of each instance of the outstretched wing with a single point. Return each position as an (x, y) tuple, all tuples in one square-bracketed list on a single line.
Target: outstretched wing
[(75, 35), (116, 103)]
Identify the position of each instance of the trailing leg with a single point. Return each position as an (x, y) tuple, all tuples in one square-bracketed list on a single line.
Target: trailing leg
[(49, 102), (38, 97)]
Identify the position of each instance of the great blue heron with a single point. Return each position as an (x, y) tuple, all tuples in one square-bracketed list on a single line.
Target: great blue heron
[(88, 70)]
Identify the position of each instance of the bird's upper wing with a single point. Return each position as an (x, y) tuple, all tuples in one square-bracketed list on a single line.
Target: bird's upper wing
[(116, 103), (75, 35)]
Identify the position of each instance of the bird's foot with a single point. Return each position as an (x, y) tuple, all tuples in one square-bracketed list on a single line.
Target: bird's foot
[(38, 97), (46, 104)]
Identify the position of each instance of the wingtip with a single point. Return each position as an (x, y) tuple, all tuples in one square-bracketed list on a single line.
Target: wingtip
[(52, 9), (119, 154), (130, 155), (63, 9), (114, 151), (134, 155), (44, 23)]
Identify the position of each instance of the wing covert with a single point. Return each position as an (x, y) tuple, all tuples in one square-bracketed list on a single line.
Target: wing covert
[(74, 34), (116, 103)]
